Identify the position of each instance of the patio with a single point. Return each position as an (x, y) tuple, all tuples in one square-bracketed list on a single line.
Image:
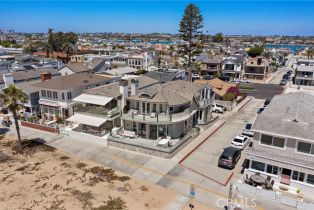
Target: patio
[(275, 184), (153, 145)]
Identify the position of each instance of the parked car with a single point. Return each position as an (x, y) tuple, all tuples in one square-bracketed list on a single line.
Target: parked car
[(229, 157), (240, 141), (247, 130), (237, 81), (260, 110), (208, 77), (195, 76), (218, 108), (267, 101), (283, 82), (225, 78), (285, 77), (244, 81)]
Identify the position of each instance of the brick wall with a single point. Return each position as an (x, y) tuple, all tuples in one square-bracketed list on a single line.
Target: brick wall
[(39, 127)]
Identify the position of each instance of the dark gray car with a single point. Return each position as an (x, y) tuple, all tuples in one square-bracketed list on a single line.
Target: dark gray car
[(229, 157)]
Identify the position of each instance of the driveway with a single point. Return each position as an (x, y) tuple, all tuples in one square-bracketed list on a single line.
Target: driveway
[(204, 160)]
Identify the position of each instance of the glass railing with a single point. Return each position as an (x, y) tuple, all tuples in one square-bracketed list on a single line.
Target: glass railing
[(98, 111), (163, 117)]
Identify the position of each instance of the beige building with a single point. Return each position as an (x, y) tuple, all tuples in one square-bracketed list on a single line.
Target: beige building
[(256, 68)]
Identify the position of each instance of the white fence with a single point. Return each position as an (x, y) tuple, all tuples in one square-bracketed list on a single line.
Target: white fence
[(275, 196), (228, 104)]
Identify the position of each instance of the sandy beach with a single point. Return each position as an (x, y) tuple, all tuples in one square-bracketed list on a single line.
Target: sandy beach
[(44, 178)]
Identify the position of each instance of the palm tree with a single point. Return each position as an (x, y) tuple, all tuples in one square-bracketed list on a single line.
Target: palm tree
[(310, 53), (12, 97)]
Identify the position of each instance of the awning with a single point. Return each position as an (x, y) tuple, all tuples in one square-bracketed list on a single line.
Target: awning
[(49, 103), (87, 120), (93, 99)]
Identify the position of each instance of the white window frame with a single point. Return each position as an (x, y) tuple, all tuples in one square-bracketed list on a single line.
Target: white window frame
[(271, 146), (302, 153)]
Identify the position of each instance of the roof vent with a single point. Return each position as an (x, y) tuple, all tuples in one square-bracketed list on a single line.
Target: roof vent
[(85, 81)]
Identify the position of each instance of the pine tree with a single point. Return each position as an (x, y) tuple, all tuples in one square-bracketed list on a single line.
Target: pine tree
[(190, 25)]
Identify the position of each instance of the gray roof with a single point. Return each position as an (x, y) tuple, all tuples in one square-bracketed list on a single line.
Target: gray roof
[(163, 77), (112, 90), (212, 60), (289, 115), (26, 75), (173, 93), (78, 67), (72, 81), (28, 87)]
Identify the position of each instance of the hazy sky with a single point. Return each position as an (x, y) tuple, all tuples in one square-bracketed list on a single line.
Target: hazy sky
[(229, 17)]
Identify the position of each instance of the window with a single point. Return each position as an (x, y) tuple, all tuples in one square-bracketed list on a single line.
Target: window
[(143, 107), (298, 176), (49, 94), (69, 94), (160, 108), (266, 139), (258, 166), (43, 93), (305, 147), (272, 169), (171, 108), (148, 108), (272, 141), (310, 179), (154, 107), (55, 95), (278, 142), (62, 96)]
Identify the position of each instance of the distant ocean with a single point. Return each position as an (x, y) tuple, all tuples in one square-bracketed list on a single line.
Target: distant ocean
[(292, 48)]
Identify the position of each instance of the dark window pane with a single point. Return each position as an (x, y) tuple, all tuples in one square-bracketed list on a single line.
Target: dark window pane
[(269, 169), (304, 147), (266, 139), (295, 175), (258, 166), (301, 177), (310, 179), (278, 142)]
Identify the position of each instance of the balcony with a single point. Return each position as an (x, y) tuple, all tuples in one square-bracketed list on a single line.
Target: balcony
[(161, 118), (308, 76), (98, 111)]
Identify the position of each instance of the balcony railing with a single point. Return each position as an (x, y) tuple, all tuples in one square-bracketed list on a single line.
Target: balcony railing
[(161, 118), (304, 76), (98, 111)]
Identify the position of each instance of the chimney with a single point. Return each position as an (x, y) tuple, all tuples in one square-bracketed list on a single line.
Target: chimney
[(8, 79), (124, 90), (45, 76), (134, 87), (259, 61)]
